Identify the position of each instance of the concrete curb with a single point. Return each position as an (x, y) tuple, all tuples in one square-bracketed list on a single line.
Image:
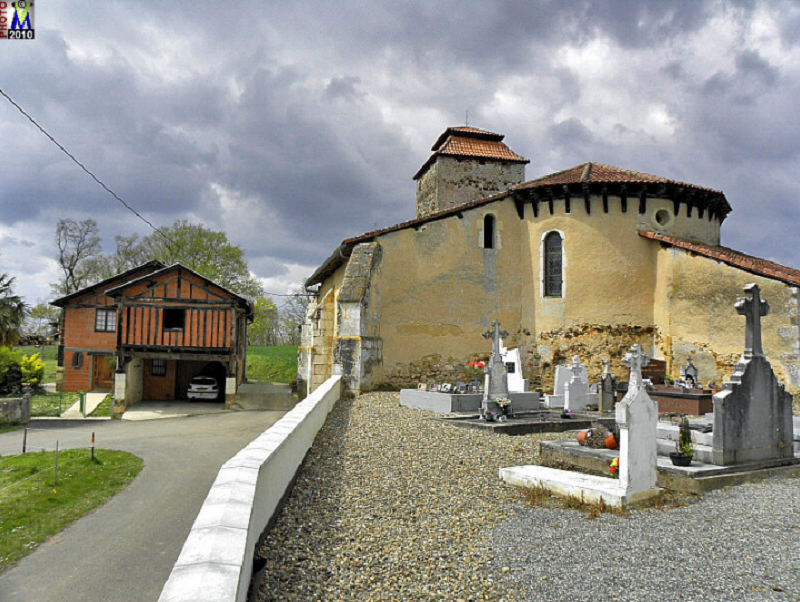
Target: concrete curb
[(216, 562)]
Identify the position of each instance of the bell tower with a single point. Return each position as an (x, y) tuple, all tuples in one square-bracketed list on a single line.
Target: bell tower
[(467, 164)]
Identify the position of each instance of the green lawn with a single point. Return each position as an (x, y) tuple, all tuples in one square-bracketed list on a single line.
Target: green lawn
[(272, 364), (104, 409), (9, 426), (48, 404), (32, 509), (48, 357)]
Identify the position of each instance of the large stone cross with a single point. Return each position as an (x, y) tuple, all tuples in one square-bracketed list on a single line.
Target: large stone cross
[(635, 360), (752, 307), (495, 334)]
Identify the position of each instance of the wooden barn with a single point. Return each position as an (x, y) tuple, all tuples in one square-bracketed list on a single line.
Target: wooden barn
[(150, 331)]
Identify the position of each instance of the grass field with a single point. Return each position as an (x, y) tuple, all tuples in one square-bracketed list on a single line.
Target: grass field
[(272, 364), (48, 357), (33, 509), (48, 404)]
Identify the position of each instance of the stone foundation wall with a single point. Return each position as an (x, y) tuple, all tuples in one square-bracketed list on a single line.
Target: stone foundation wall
[(432, 368), (591, 342), (16, 410)]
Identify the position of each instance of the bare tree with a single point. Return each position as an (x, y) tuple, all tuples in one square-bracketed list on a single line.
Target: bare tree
[(293, 315), (77, 244)]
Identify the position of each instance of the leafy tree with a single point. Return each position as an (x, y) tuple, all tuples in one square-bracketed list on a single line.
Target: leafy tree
[(77, 244), (265, 327), (205, 251), (12, 311)]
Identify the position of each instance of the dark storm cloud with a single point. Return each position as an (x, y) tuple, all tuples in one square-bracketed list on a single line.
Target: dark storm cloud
[(294, 125)]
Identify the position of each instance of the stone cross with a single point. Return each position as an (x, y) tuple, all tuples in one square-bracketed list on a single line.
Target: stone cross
[(497, 374), (495, 334), (636, 360), (752, 307)]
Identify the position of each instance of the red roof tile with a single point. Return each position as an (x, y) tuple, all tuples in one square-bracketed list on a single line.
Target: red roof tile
[(748, 263), (471, 143), (590, 173)]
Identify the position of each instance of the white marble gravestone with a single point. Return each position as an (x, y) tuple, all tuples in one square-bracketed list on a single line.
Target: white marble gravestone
[(576, 392), (637, 416), (511, 357), (571, 388)]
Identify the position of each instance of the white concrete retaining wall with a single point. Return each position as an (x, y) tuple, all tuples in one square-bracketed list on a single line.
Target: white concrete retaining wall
[(216, 562)]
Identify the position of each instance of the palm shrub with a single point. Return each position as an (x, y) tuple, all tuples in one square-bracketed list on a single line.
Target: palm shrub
[(12, 311)]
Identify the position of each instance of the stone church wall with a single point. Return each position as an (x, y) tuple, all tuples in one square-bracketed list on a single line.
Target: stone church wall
[(431, 292), (451, 181)]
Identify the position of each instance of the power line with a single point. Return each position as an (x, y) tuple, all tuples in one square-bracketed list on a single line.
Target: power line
[(106, 188), (83, 167)]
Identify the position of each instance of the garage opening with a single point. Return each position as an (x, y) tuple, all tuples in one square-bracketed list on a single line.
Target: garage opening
[(170, 380)]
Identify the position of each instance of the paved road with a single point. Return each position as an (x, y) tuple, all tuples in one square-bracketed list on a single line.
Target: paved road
[(124, 551)]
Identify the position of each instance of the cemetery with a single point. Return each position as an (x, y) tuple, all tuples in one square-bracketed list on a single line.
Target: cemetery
[(749, 435), (681, 436)]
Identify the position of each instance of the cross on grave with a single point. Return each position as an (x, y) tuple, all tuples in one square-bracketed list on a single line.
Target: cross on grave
[(497, 381), (752, 307), (636, 360), (495, 334)]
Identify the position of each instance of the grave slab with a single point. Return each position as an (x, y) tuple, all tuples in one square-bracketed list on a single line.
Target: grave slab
[(449, 403), (590, 488)]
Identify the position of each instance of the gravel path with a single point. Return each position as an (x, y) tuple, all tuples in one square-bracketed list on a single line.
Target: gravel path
[(392, 505)]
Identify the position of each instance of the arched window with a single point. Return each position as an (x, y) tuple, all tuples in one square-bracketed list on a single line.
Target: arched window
[(488, 232), (553, 262)]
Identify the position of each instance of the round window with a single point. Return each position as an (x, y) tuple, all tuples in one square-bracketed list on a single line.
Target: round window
[(663, 218)]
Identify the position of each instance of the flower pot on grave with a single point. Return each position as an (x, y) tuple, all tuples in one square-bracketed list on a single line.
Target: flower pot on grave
[(680, 459), (611, 442), (582, 437)]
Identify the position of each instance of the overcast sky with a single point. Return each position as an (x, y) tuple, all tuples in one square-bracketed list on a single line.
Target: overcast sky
[(294, 125)]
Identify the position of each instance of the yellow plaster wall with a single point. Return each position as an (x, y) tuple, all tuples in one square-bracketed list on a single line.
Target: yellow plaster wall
[(695, 315), (440, 290)]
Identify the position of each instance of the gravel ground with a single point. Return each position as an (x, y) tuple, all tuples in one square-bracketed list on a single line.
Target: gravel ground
[(392, 505)]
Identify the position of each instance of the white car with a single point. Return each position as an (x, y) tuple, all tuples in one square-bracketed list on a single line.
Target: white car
[(203, 387)]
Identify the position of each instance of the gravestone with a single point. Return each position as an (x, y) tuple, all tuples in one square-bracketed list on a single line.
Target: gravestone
[(689, 374), (563, 375), (496, 373), (608, 388), (576, 392), (513, 361), (753, 412), (637, 418)]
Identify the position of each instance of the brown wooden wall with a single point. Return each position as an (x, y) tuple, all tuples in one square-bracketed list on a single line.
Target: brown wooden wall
[(203, 327), (159, 388)]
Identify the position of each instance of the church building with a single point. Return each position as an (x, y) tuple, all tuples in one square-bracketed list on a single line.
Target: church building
[(585, 261)]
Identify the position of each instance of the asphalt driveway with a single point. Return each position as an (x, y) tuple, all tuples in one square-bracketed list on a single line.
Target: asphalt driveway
[(125, 550)]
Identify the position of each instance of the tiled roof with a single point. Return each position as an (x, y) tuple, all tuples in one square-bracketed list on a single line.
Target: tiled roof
[(748, 263), (471, 143), (466, 131), (592, 173)]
